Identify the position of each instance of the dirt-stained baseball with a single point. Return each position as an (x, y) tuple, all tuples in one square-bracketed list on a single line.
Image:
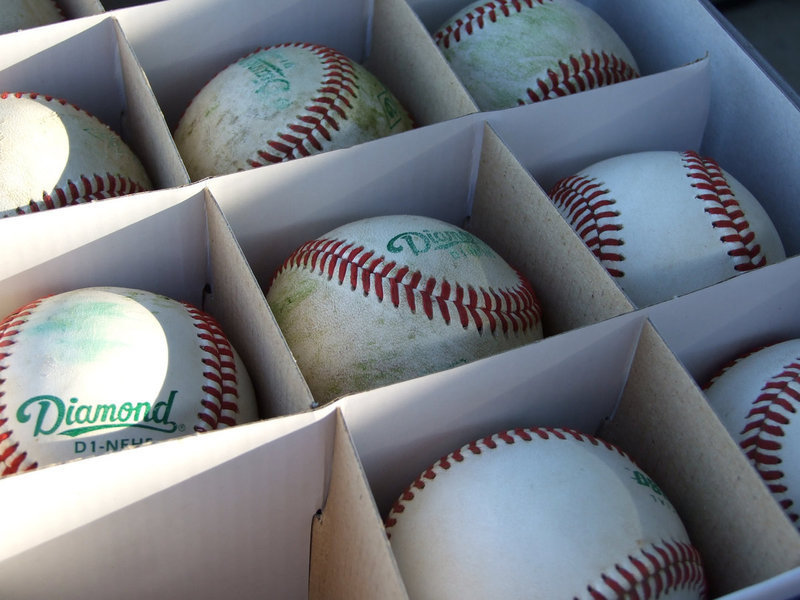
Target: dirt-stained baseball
[(541, 513), (391, 298), (54, 154), (24, 14), (512, 52), (667, 223), (284, 102), (96, 370), (757, 398)]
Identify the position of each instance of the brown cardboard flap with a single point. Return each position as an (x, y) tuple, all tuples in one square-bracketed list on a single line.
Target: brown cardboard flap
[(665, 423), (350, 553), (513, 215), (242, 310), (143, 123), (405, 59)]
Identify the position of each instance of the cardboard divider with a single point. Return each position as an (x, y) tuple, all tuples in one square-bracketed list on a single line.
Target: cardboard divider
[(109, 85), (514, 216), (405, 58), (240, 307), (222, 514), (119, 241), (558, 138), (399, 430), (665, 423), (760, 308), (350, 554)]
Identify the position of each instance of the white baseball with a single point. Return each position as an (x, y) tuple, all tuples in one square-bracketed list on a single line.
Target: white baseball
[(55, 154), (280, 103), (757, 398), (391, 298), (541, 513), (96, 370), (512, 52), (23, 14), (667, 223)]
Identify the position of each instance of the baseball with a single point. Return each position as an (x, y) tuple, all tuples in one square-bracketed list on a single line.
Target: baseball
[(757, 398), (24, 14), (96, 370), (55, 154), (284, 102), (667, 223), (391, 298), (541, 513), (513, 52)]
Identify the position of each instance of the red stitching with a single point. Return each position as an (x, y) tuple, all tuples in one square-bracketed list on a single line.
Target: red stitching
[(11, 458), (654, 569), (725, 211), (221, 395), (577, 74), (771, 411), (338, 89), (587, 205), (478, 16), (46, 97), (98, 187), (516, 309)]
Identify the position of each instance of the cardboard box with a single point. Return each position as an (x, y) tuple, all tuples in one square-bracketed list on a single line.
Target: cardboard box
[(295, 503)]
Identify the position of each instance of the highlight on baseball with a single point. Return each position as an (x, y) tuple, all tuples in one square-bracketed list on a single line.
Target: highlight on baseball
[(97, 370)]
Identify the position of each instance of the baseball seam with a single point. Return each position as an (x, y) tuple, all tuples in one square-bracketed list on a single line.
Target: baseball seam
[(504, 309), (12, 458), (87, 189), (649, 573), (220, 399), (577, 74), (335, 96), (477, 18), (725, 211), (771, 411), (588, 207)]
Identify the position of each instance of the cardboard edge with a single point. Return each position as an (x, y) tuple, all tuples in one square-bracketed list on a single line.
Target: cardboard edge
[(350, 552), (666, 424)]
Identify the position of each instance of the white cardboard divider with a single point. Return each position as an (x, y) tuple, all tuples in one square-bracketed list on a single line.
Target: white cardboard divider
[(399, 430), (155, 241), (708, 328), (558, 138), (219, 515)]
